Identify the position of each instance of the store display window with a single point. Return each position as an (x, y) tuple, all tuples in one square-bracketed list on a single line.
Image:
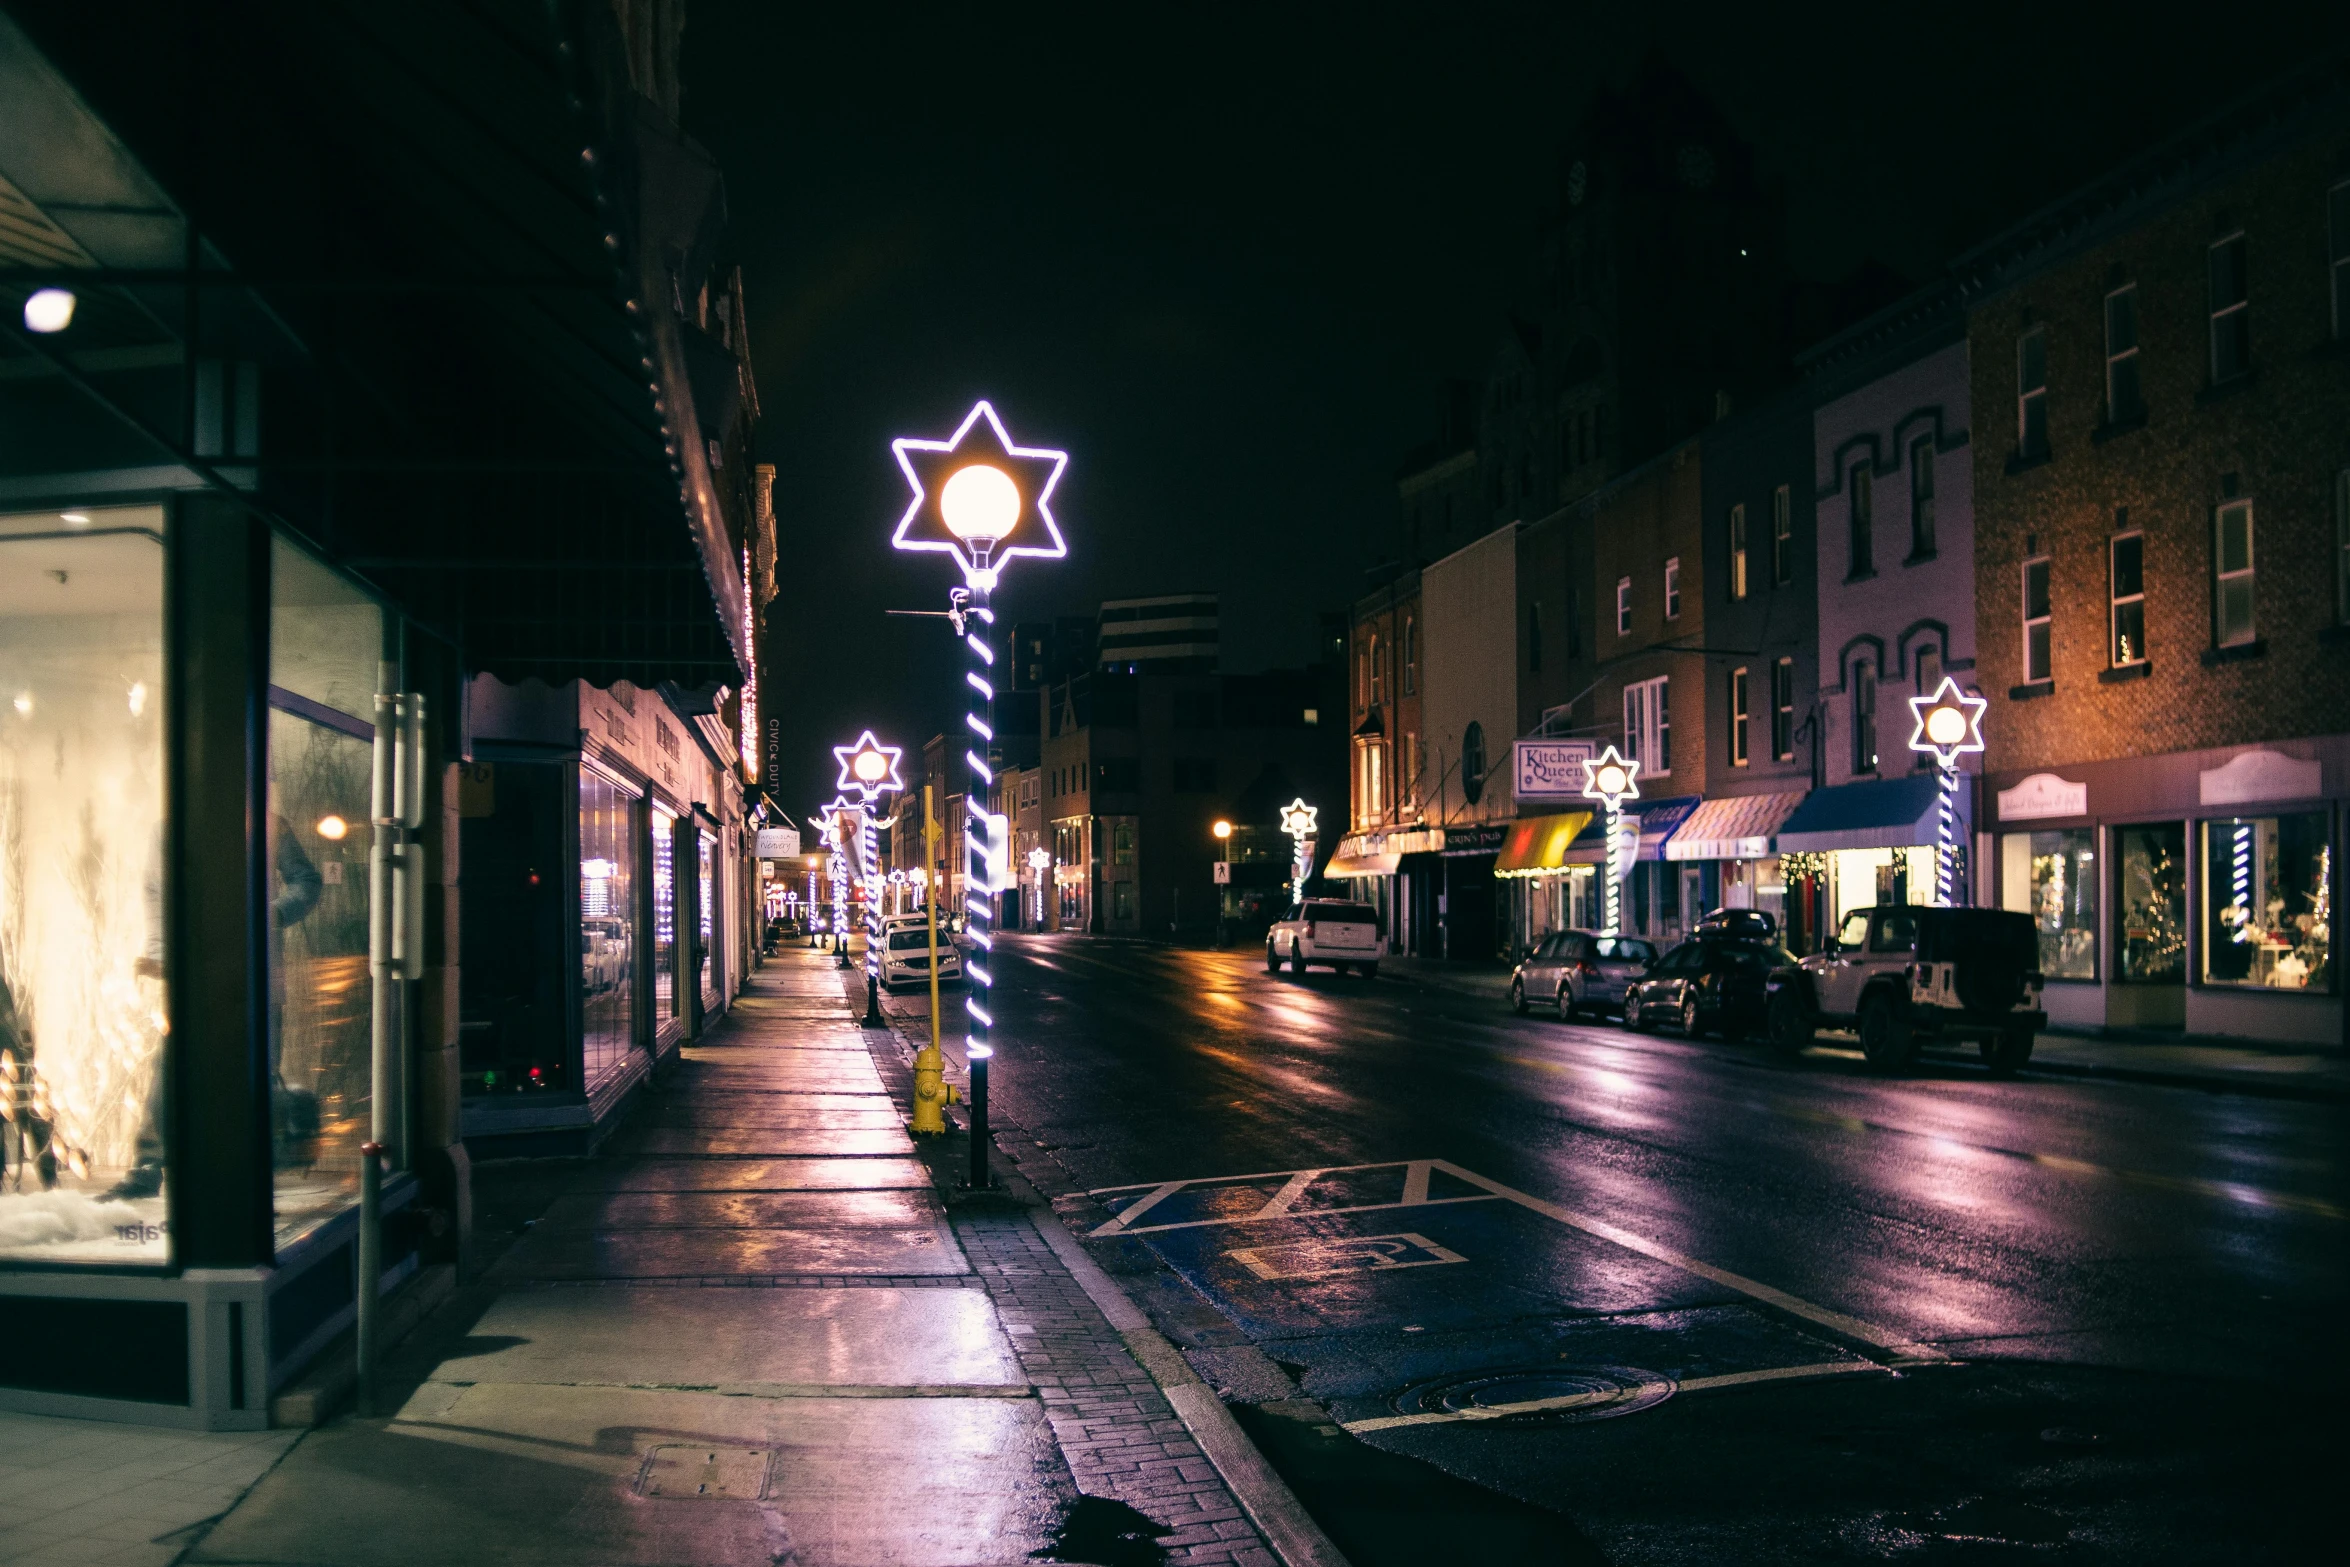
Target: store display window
[(665, 995), (607, 925), (707, 900), (326, 643), (2268, 901), (83, 1164), (2150, 904), (2052, 876)]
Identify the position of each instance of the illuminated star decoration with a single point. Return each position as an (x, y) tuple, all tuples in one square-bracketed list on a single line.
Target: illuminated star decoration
[(1950, 723), (1014, 505), (1611, 777), (868, 766), (1297, 818)]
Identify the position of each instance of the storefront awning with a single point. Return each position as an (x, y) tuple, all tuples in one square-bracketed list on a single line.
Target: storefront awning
[(1657, 819), (1363, 865), (1738, 829), (1537, 846), (1883, 813)]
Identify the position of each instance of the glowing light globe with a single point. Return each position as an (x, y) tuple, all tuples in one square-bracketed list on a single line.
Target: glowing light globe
[(980, 504)]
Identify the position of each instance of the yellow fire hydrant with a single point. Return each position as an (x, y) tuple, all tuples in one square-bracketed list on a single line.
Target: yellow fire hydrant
[(932, 1092)]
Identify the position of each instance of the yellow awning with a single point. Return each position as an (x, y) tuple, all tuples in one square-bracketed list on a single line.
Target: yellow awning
[(1537, 845)]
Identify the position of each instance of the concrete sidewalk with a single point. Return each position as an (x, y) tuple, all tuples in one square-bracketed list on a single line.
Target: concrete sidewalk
[(2211, 1064), (747, 1332)]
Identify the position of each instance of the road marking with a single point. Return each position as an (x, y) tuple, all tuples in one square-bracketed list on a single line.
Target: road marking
[(1535, 1406), (1901, 1349), (1320, 1256)]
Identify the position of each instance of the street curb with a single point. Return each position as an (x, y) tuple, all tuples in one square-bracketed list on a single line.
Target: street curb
[(2207, 1082), (1269, 1502)]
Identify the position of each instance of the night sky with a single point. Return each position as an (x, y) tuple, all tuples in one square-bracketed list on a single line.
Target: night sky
[(1225, 256)]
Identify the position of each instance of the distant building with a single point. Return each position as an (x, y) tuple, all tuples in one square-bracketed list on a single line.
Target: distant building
[(1173, 634)]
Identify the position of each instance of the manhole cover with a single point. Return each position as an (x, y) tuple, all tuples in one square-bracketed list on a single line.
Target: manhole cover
[(1545, 1393), (705, 1474)]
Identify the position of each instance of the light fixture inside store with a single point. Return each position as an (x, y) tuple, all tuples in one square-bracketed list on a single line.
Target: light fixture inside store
[(23, 704), (332, 828), (138, 698), (49, 310)]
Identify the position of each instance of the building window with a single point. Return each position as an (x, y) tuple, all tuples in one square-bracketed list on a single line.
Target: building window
[(2122, 401), (2338, 254), (1921, 498), (2342, 546), (2037, 663), (2031, 394), (1623, 606), (2231, 560), (2052, 876), (1673, 588), (1738, 551), (1534, 637), (2128, 553), (2267, 901), (1860, 490), (1473, 762), (1122, 843), (2231, 311), (1783, 710), (1362, 677), (2150, 914), (1738, 754), (1648, 725), (1783, 535), (1864, 718), (1378, 684), (1411, 655)]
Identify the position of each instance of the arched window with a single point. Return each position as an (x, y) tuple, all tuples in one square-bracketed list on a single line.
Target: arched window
[(1864, 718), (1473, 762)]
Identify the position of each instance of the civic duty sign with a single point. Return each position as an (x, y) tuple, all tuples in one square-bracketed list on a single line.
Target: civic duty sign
[(1551, 769)]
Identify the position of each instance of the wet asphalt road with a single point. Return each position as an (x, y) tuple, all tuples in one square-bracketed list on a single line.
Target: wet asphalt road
[(1796, 1311)]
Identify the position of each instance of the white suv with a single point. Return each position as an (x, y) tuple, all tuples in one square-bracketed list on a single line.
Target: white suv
[(905, 956), (1343, 935)]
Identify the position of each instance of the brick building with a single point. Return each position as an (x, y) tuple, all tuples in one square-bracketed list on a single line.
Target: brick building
[(2162, 371), (1387, 854)]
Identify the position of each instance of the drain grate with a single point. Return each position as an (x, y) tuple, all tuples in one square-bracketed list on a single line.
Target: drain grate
[(704, 1473), (1549, 1394)]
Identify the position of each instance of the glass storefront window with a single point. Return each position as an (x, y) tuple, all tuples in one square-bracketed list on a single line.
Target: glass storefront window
[(82, 1004), (2268, 901), (2150, 911), (2052, 876), (607, 925), (664, 916), (707, 888), (326, 640)]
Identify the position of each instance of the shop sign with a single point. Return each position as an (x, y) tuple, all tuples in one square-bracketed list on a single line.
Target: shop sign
[(1551, 769), (2261, 775), (778, 843), (1486, 839), (2041, 797)]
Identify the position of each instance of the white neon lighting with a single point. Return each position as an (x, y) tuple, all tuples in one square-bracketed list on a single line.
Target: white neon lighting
[(982, 687), (1611, 778), (1949, 723), (977, 727), (2240, 876), (868, 766), (979, 646), (48, 310), (975, 529), (747, 739)]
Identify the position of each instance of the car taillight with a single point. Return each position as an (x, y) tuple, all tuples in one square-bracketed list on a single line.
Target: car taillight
[(1309, 930), (1588, 969)]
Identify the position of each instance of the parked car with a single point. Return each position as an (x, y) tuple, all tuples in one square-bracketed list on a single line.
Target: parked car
[(1579, 970), (1901, 974), (1717, 982), (1343, 935), (905, 954)]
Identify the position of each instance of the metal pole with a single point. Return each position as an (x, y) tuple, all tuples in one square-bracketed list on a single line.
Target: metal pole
[(979, 856), (868, 844), (383, 928)]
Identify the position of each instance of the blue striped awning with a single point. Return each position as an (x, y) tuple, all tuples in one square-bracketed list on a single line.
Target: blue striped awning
[(1881, 813)]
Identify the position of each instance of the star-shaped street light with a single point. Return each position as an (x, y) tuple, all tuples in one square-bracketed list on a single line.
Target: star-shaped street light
[(1612, 778), (1950, 724), (980, 498), (1297, 820), (868, 766)]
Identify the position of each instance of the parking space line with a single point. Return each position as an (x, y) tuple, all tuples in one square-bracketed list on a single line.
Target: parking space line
[(1902, 1349), (1536, 1406), (1286, 1198)]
